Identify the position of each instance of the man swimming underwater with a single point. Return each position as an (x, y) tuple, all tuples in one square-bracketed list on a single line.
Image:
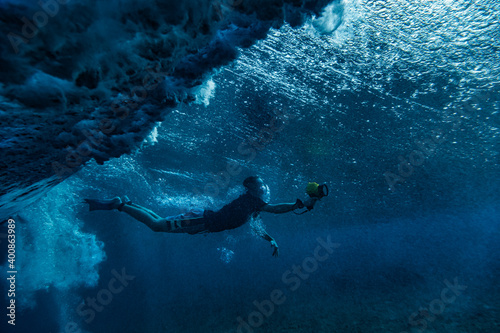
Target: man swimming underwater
[(196, 221)]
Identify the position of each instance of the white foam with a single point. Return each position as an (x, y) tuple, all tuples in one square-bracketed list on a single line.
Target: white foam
[(331, 18), (52, 250), (205, 92)]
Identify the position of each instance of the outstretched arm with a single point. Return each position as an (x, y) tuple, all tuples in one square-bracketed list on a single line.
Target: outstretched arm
[(282, 208), (288, 207), (279, 208)]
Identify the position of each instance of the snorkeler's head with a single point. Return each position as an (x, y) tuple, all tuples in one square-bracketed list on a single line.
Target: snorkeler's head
[(256, 187)]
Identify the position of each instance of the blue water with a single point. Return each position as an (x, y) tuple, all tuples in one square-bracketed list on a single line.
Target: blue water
[(393, 104)]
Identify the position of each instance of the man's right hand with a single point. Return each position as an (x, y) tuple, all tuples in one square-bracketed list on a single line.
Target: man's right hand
[(298, 204), (310, 203)]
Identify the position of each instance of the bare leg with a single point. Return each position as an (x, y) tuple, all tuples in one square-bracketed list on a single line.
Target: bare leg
[(157, 223), (144, 215), (146, 210)]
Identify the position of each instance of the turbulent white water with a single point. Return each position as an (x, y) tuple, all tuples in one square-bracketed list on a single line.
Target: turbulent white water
[(53, 253), (88, 80)]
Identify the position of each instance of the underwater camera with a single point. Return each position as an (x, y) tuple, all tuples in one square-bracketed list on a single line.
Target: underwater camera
[(314, 190)]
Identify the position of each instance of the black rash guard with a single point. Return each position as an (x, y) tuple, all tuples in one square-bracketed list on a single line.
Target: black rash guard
[(234, 214)]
